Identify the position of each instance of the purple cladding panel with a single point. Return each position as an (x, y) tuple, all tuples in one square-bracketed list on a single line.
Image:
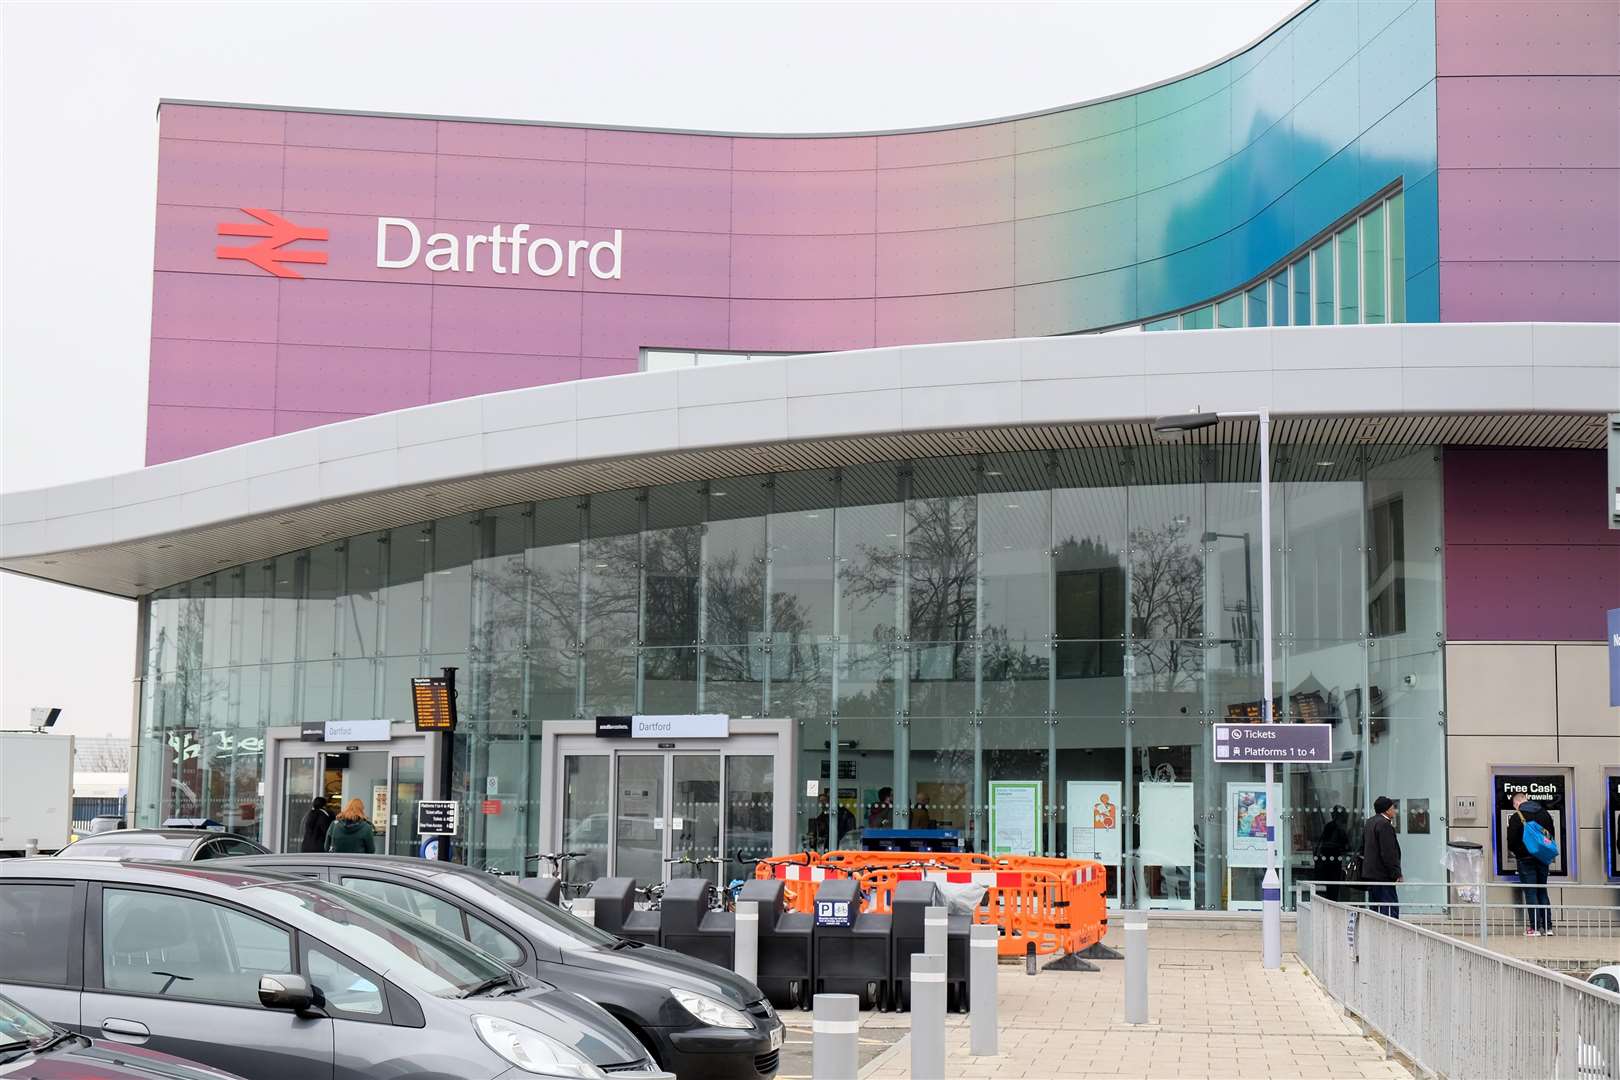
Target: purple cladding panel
[(1529, 556), (1529, 155)]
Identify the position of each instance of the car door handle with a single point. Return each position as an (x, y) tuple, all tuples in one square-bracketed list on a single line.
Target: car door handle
[(124, 1030)]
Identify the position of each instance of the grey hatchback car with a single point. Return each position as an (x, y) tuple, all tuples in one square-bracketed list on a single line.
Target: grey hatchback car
[(273, 977)]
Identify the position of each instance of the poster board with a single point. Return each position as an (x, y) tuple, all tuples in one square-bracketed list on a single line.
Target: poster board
[(1553, 786), (1015, 817), (1250, 817), (1095, 822), (1611, 821), (1167, 839), (379, 807)]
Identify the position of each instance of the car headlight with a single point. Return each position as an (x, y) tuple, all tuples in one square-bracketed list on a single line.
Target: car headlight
[(531, 1050), (709, 1011)]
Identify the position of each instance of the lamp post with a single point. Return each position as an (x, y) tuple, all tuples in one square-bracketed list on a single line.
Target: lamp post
[(1271, 885)]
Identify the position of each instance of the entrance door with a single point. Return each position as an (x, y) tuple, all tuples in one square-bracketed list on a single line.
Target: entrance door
[(635, 812), (389, 779)]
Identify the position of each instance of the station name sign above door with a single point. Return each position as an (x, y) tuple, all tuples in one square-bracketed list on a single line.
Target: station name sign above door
[(344, 731), (693, 726), (1310, 744)]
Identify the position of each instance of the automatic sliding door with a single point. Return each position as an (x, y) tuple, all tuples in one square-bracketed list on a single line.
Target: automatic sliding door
[(639, 826), (750, 799), (409, 776), (694, 826), (587, 822), (297, 796)]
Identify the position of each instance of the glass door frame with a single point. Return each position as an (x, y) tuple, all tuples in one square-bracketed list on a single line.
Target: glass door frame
[(283, 744), (771, 739)]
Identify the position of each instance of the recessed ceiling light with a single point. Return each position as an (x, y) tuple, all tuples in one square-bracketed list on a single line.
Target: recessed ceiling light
[(49, 562), (992, 472), (164, 547), (1323, 464)]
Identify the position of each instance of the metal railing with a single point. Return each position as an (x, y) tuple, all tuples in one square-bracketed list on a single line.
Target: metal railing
[(1454, 1008), (1584, 920)]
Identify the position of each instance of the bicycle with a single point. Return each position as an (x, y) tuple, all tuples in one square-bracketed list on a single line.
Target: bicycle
[(721, 899), (557, 863)]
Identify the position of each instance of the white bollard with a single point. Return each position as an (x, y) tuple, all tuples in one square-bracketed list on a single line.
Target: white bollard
[(835, 1032), (1271, 920), (934, 928), (747, 949), (983, 945), (927, 1016), (1136, 967), (585, 909)]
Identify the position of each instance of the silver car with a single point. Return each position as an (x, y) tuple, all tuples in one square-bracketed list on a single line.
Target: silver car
[(273, 977)]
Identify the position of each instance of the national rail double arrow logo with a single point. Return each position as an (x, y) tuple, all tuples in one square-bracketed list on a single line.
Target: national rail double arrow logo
[(270, 253)]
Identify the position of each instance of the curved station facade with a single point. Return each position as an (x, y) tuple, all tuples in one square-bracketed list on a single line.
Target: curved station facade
[(774, 492)]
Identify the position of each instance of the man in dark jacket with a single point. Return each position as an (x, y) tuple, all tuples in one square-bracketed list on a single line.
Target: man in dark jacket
[(317, 819), (1381, 858), (1532, 871)]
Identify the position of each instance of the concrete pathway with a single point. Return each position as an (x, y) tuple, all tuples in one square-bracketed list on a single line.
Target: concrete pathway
[(1214, 1012)]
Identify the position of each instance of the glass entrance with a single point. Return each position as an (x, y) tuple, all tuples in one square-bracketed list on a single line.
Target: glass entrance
[(389, 779), (655, 815)]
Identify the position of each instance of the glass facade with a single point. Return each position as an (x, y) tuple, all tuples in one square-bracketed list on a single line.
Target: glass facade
[(1068, 617), (1330, 284)]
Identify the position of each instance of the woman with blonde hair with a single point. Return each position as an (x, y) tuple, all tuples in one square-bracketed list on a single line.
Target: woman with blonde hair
[(351, 833)]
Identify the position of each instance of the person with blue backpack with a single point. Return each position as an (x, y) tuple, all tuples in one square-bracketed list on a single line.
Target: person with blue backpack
[(1533, 839)]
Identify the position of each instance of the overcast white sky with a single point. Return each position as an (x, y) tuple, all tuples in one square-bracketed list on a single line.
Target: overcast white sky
[(79, 161)]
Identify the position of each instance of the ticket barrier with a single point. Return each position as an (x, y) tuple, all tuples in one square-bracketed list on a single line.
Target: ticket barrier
[(785, 946), (690, 925), (853, 959), (909, 905), (616, 911)]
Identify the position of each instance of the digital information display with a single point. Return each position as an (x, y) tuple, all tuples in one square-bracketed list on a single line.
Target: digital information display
[(434, 702)]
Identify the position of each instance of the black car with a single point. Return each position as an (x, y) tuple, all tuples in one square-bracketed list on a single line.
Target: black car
[(699, 1020), (164, 845), (275, 977)]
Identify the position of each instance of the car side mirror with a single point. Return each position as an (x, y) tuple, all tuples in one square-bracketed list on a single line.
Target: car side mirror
[(290, 992)]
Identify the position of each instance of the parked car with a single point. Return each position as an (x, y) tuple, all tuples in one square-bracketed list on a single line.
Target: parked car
[(165, 845), (274, 977), (1606, 977), (31, 1048), (697, 1019)]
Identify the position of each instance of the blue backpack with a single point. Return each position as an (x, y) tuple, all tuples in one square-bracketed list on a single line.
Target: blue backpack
[(1542, 848)]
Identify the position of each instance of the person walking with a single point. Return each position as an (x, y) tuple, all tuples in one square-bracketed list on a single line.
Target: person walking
[(317, 819), (1532, 870), (351, 833), (1381, 858)]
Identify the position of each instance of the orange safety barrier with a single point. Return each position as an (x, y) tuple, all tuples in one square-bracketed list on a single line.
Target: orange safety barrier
[(1044, 905)]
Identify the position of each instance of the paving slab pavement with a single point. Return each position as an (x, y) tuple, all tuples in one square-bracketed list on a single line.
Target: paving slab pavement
[(1214, 1012)]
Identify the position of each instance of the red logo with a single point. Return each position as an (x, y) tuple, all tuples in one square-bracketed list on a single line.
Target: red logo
[(267, 254)]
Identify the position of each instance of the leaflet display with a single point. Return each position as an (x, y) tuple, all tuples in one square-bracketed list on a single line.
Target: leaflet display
[(1015, 817)]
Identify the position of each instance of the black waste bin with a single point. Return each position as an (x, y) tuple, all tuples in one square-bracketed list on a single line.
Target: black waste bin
[(785, 938), (616, 910), (548, 889), (912, 899), (691, 925), (852, 959)]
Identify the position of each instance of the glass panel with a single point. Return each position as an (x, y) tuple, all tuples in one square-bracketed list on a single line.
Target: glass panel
[(750, 813), (1300, 275), (430, 909), (612, 573), (1279, 299), (40, 929), (1257, 305), (1397, 258), (657, 360), (297, 795), (158, 944), (409, 778), (320, 607), (673, 559), (1172, 323), (554, 610), (1200, 319), (345, 989), (492, 941), (640, 827), (1322, 285), (1229, 312), (694, 827), (1349, 279), (801, 553), (586, 824), (449, 593), (669, 680), (734, 562), (1372, 265), (360, 603), (402, 600)]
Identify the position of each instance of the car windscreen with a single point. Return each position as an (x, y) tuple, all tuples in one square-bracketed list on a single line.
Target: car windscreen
[(383, 938), (156, 848), (18, 1025), (549, 922)]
